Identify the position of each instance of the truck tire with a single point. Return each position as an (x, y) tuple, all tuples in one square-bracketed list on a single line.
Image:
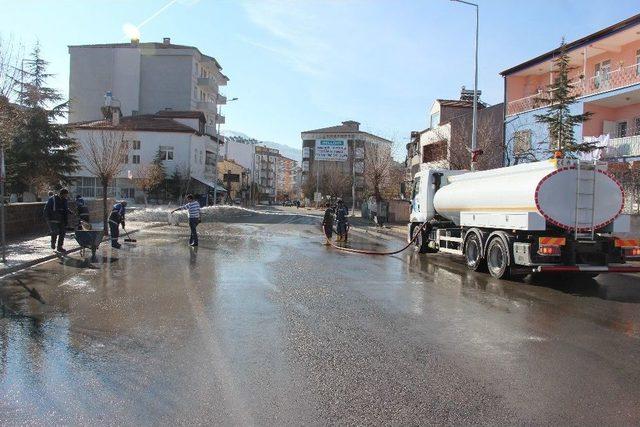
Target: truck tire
[(498, 260), (473, 253), (420, 244)]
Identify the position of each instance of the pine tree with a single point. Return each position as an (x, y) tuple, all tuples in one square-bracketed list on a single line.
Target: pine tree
[(41, 153), (559, 120)]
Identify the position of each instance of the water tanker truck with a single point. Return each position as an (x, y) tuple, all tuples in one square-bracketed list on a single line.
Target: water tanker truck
[(558, 215)]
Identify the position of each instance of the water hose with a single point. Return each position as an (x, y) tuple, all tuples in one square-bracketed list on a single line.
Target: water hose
[(365, 252)]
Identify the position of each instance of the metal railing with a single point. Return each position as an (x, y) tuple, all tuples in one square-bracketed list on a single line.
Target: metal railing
[(628, 146), (601, 82)]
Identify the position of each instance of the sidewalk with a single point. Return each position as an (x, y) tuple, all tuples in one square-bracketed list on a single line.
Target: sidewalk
[(26, 253)]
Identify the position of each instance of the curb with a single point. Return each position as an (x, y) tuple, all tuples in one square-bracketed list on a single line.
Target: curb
[(28, 264)]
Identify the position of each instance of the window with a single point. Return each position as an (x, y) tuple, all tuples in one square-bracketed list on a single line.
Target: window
[(166, 152), (435, 120), (638, 62), (416, 187), (135, 159), (521, 142), (637, 126), (135, 144), (602, 71), (434, 152), (621, 129), (125, 159)]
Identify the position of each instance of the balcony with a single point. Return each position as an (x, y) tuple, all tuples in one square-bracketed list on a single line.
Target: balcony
[(206, 106), (208, 84), (618, 148), (219, 118), (599, 83), (222, 100)]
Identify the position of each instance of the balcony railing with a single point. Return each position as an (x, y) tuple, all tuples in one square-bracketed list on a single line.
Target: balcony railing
[(206, 106), (208, 83), (219, 118), (628, 146), (222, 100), (601, 82)]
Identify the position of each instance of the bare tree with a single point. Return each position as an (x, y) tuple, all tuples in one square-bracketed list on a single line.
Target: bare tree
[(334, 180), (103, 153), (10, 57), (149, 177), (377, 168)]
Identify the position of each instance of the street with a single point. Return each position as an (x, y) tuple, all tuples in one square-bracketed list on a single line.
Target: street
[(264, 325)]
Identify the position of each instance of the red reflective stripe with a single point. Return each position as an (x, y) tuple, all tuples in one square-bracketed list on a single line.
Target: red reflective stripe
[(597, 269)]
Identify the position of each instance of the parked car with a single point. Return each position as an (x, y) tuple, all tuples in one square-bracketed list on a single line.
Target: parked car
[(287, 203)]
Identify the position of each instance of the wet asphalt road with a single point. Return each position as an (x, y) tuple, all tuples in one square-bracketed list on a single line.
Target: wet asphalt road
[(265, 325)]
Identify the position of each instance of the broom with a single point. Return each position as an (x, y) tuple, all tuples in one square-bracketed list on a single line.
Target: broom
[(129, 239)]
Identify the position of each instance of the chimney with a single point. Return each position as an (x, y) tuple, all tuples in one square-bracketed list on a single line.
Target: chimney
[(115, 116), (166, 40), (352, 124)]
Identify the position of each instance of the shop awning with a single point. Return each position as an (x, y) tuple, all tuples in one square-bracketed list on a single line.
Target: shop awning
[(219, 188)]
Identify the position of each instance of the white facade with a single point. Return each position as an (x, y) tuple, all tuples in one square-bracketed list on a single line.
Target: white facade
[(144, 78), (190, 153)]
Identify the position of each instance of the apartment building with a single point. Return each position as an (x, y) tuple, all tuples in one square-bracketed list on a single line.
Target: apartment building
[(145, 78), (446, 142), (264, 173), (177, 136), (337, 154), (606, 78), (286, 170)]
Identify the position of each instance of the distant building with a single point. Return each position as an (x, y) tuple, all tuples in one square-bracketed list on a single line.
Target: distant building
[(145, 78), (177, 136), (265, 167), (235, 178), (285, 178), (446, 143), (342, 151)]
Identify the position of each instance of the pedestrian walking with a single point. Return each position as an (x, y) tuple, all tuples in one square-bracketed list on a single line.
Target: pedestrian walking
[(116, 219), (327, 222), (193, 207), (83, 212), (342, 212), (56, 213)]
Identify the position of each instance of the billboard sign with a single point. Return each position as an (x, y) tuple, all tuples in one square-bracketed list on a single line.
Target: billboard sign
[(335, 150)]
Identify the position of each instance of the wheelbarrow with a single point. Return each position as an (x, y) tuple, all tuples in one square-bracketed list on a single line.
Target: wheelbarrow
[(89, 239)]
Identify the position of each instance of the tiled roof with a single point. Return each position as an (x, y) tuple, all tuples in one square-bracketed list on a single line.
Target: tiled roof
[(591, 38), (333, 129), (146, 122), (454, 103), (181, 114)]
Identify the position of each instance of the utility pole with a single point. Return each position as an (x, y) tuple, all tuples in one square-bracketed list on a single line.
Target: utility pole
[(2, 207), (474, 130)]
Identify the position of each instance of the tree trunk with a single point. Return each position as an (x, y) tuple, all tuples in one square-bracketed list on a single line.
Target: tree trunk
[(104, 209)]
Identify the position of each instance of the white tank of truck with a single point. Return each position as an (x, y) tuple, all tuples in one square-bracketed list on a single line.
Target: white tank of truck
[(566, 192)]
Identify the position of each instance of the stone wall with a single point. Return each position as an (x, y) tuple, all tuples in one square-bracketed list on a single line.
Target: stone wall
[(27, 219)]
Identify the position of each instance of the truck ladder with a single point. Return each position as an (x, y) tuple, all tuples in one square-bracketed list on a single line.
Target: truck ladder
[(585, 201)]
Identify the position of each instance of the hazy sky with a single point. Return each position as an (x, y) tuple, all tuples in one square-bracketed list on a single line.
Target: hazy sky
[(298, 65)]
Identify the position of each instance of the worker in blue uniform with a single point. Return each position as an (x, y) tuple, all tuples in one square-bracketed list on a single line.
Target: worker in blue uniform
[(342, 228), (116, 219)]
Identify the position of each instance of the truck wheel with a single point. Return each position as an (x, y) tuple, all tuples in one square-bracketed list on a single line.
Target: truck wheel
[(419, 243), (473, 253), (498, 258)]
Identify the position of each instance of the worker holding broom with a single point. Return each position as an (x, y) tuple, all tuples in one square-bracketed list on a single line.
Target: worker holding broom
[(116, 218), (193, 208)]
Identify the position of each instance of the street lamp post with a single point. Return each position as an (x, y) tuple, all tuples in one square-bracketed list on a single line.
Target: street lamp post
[(215, 164), (474, 130)]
